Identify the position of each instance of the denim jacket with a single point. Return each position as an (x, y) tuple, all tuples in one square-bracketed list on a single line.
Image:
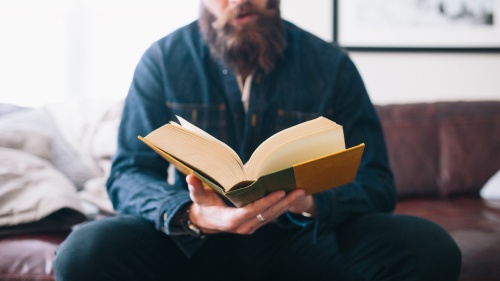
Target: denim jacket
[(177, 76)]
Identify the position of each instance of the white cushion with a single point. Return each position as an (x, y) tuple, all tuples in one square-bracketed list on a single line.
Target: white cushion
[(78, 166), (31, 188), (491, 190)]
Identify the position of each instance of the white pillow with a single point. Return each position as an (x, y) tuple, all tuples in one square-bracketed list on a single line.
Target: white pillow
[(491, 190), (31, 189), (29, 141), (77, 166)]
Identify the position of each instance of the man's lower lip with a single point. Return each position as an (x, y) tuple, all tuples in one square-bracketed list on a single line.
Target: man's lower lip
[(243, 20)]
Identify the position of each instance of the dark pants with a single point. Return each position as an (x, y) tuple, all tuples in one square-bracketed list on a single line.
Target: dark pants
[(372, 247)]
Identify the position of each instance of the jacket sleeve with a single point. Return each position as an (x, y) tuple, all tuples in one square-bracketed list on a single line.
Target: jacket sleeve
[(373, 189), (138, 179)]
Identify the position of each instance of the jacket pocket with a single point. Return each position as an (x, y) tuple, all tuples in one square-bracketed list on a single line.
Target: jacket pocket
[(289, 118), (209, 117)]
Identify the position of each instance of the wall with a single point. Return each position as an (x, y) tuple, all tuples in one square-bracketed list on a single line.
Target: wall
[(409, 77), (428, 77), (59, 49)]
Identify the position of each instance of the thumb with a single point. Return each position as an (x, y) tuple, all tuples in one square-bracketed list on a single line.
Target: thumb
[(194, 182), (201, 196), (196, 191)]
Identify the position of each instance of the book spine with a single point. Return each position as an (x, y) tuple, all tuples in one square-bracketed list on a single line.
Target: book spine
[(281, 180)]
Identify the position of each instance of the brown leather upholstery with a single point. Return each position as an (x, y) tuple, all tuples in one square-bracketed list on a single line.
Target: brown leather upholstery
[(441, 155), (469, 141), (413, 148), (28, 257), (475, 226), (446, 148)]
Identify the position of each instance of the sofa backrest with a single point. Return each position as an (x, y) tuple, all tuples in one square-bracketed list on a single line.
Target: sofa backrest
[(442, 149)]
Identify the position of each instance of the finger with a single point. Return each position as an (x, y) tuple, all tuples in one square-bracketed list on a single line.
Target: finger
[(242, 220), (250, 211), (192, 180), (245, 221), (200, 195), (274, 211), (294, 200), (305, 204), (260, 205), (269, 214), (281, 206), (196, 191)]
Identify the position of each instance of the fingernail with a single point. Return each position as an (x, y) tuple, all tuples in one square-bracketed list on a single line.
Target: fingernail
[(281, 195), (302, 193)]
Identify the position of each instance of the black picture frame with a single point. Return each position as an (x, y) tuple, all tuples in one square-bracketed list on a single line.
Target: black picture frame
[(489, 45)]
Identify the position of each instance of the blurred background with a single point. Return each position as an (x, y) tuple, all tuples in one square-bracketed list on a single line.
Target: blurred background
[(54, 50)]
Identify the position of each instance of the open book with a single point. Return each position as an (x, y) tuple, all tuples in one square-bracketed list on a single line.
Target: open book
[(310, 155)]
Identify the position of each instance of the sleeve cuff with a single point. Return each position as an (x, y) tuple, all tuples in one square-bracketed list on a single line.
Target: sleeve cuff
[(300, 220), (166, 217)]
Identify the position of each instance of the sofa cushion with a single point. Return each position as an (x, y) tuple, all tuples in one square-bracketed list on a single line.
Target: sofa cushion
[(410, 135), (473, 223), (29, 257), (442, 149), (491, 190), (469, 145)]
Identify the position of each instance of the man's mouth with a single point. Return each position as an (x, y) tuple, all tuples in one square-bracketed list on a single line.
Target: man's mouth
[(244, 18)]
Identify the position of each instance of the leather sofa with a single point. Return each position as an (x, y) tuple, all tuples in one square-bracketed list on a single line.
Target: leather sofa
[(441, 153)]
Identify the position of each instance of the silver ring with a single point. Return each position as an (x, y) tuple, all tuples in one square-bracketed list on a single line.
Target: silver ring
[(261, 218)]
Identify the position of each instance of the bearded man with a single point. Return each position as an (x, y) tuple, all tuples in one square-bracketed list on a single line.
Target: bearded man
[(242, 73)]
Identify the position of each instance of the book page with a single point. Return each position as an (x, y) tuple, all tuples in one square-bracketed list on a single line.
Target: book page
[(303, 142), (203, 154), (200, 132)]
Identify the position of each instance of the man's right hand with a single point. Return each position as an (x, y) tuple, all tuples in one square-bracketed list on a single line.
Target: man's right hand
[(212, 215)]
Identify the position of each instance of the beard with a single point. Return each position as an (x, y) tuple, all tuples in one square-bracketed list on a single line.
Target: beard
[(259, 43)]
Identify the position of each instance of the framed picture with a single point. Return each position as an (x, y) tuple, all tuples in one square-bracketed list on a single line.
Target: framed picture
[(417, 25)]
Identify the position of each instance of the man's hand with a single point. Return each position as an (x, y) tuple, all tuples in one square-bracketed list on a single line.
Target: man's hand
[(212, 215)]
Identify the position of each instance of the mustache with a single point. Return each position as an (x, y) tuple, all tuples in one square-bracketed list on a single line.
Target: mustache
[(242, 10)]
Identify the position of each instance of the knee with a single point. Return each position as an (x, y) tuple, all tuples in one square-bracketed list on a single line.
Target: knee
[(430, 247), (400, 247), (79, 254), (69, 263), (91, 248)]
